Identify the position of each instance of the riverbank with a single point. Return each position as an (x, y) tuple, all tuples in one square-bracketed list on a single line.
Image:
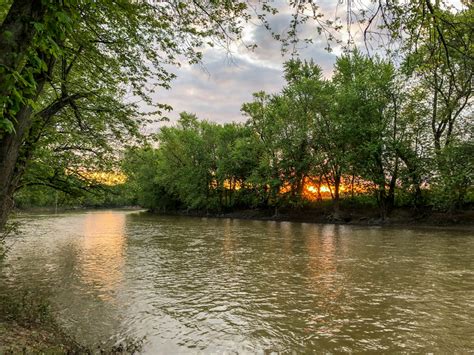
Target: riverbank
[(46, 337), (52, 209), (16, 338), (323, 214), (49, 339), (367, 216), (27, 325)]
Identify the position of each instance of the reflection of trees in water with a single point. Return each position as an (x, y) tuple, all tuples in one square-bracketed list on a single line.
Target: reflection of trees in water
[(287, 232), (55, 252), (321, 249), (290, 278)]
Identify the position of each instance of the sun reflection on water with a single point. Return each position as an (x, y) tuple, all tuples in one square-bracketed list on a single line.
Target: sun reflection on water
[(103, 246)]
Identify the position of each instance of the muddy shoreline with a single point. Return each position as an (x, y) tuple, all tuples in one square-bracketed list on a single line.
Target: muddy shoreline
[(400, 217), (357, 216)]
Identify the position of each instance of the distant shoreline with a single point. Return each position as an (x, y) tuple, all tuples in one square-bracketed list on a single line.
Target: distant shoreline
[(400, 217), (49, 209)]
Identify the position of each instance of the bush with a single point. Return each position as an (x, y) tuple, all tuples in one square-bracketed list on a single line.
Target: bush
[(453, 186)]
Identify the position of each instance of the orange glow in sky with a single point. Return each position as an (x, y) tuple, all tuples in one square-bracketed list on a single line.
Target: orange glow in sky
[(108, 178)]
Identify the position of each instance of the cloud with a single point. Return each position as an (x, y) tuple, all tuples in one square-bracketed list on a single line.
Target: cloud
[(217, 89)]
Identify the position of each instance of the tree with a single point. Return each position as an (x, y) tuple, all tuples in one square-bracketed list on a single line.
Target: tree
[(266, 176), (443, 64), (368, 108), (84, 57), (198, 166), (442, 67), (303, 103), (236, 158), (141, 164)]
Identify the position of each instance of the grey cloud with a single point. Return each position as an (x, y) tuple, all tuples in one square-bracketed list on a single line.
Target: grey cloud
[(218, 92)]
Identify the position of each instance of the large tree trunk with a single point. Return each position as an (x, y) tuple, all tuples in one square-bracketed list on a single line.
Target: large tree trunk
[(16, 39), (13, 158), (10, 166)]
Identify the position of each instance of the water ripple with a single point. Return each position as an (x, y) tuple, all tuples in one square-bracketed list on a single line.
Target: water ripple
[(191, 285)]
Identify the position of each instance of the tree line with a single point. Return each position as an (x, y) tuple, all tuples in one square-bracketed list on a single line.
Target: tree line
[(372, 122)]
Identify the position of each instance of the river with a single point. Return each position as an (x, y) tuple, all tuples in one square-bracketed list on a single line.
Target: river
[(187, 285)]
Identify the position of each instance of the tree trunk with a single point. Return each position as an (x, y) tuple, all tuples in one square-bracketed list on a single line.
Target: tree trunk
[(411, 162), (10, 166), (390, 198), (12, 159), (337, 183), (320, 197), (16, 36), (382, 200), (352, 185)]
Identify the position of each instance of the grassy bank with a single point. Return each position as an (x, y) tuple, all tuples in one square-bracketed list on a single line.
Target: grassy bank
[(16, 338), (28, 325)]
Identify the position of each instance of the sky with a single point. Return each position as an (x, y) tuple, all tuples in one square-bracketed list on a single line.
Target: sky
[(216, 89)]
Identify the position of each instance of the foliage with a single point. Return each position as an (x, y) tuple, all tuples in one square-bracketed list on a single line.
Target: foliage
[(367, 126), (52, 197), (198, 165), (287, 125), (456, 179), (140, 165), (72, 72)]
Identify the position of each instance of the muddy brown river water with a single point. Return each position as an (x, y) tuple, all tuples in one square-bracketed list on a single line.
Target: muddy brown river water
[(188, 285)]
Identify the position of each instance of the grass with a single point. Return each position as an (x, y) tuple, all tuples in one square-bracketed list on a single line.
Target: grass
[(28, 325)]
